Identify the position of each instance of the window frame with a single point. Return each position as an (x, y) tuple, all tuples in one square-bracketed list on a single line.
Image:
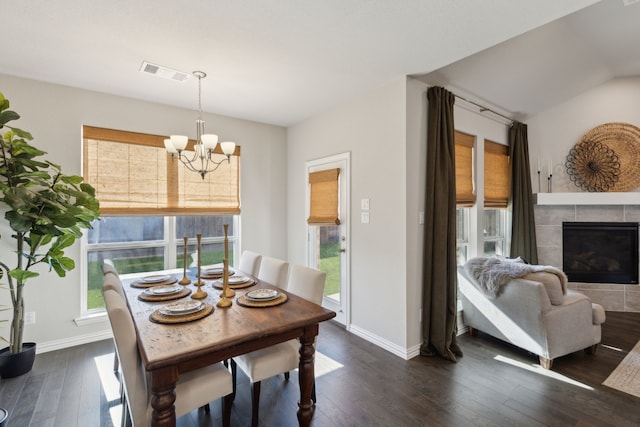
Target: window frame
[(169, 245)]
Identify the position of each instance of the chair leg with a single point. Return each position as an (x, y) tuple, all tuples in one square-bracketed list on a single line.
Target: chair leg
[(226, 410), (313, 392), (255, 403), (545, 363), (234, 376), (472, 332), (207, 408), (286, 375)]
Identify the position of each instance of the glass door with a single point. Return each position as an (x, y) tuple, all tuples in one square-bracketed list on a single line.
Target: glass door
[(328, 245)]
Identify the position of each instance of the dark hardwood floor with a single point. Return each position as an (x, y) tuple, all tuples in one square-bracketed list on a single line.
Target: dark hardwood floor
[(359, 384)]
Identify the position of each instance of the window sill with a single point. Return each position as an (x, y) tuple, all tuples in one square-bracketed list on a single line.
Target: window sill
[(89, 319)]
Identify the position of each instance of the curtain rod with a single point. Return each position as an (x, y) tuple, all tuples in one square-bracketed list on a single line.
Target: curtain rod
[(483, 108)]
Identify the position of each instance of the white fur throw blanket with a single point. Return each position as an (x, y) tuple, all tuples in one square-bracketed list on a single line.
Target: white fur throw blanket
[(491, 273)]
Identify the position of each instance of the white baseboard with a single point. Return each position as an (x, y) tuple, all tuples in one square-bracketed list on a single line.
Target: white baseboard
[(383, 343), (44, 347), (405, 353)]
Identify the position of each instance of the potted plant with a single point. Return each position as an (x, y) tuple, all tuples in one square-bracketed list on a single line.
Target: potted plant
[(46, 210)]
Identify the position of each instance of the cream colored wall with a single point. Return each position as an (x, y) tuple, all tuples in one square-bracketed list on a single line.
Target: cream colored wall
[(373, 128), (554, 132), (55, 115)]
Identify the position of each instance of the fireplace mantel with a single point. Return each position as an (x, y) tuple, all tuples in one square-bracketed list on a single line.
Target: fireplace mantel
[(585, 198)]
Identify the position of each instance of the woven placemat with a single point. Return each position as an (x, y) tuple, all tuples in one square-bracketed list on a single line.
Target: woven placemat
[(165, 297), (218, 284), (143, 285), (245, 302), (624, 140), (215, 276), (158, 317)]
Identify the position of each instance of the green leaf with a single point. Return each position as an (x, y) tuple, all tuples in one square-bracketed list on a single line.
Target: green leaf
[(7, 115), (22, 276)]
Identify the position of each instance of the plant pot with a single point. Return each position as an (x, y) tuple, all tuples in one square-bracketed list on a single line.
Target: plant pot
[(16, 364)]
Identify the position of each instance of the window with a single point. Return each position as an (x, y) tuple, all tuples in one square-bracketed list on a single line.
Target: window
[(462, 235), (497, 188), (148, 203), (139, 244), (465, 192), (494, 232)]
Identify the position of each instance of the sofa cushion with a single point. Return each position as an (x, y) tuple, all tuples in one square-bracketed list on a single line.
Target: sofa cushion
[(551, 283)]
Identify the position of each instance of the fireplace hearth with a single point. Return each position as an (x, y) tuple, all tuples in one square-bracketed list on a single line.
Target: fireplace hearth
[(600, 252)]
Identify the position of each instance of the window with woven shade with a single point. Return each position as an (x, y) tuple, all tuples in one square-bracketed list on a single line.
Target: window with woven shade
[(465, 194), (134, 175), (324, 200), (497, 175)]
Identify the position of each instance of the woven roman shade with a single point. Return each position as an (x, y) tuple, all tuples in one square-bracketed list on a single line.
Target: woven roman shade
[(465, 195), (324, 204), (497, 181), (134, 175)]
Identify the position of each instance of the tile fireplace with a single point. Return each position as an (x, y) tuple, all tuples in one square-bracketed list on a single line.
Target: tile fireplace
[(613, 296)]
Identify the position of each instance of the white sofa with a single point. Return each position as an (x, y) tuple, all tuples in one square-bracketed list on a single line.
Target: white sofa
[(533, 313)]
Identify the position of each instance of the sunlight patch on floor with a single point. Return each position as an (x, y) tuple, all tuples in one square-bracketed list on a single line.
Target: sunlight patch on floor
[(537, 369), (325, 365), (110, 386), (611, 347)]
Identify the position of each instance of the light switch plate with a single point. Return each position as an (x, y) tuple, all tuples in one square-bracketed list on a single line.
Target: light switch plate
[(364, 217), (364, 204)]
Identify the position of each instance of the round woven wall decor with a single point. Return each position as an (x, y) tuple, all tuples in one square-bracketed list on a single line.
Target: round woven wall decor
[(593, 166), (624, 140)]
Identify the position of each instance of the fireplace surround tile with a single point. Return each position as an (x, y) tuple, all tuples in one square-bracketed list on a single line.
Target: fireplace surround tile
[(599, 213), (613, 297), (632, 298), (554, 215)]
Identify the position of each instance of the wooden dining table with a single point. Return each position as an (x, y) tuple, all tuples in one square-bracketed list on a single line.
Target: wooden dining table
[(169, 350)]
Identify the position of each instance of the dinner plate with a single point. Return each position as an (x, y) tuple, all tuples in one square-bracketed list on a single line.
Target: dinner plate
[(262, 294), (164, 290), (156, 278), (182, 307), (234, 280), (213, 271)]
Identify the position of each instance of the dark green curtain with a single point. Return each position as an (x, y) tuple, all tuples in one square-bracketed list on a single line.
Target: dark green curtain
[(523, 226), (439, 290)]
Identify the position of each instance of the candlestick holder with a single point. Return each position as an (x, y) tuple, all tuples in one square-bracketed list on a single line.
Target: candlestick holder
[(549, 184), (224, 301), (539, 187), (199, 294), (226, 292), (185, 280)]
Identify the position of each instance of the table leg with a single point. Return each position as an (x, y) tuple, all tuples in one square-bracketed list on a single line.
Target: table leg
[(306, 375), (163, 395)]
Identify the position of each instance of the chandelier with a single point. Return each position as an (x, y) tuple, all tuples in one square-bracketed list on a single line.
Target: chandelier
[(201, 161)]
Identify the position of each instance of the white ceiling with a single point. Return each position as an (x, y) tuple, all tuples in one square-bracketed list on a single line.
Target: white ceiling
[(281, 61), (553, 63)]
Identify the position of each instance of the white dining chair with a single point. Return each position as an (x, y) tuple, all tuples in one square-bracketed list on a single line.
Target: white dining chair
[(274, 271), (250, 263), (283, 357), (194, 389), (111, 280)]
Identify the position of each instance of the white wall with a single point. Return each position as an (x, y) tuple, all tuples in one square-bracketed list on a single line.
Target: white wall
[(555, 131), (55, 114), (373, 128)]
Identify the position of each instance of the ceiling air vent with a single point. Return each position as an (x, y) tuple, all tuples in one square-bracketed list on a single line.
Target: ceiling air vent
[(164, 72)]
